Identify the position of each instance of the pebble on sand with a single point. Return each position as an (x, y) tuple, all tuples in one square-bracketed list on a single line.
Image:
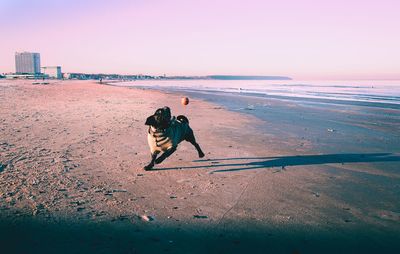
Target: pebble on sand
[(200, 216), (147, 218)]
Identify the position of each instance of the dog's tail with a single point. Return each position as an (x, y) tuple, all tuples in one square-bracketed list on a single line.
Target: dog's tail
[(182, 119)]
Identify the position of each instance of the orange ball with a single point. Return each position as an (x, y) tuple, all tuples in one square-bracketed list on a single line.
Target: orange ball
[(185, 101)]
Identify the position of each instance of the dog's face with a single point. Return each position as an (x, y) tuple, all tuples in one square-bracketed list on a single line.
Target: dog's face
[(161, 118)]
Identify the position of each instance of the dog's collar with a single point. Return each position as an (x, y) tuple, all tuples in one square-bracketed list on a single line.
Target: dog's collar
[(154, 131)]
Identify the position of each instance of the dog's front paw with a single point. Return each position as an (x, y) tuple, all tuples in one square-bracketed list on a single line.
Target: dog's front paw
[(201, 155), (148, 167)]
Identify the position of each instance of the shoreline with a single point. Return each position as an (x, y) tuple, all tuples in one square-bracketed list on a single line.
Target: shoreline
[(73, 154), (272, 109), (308, 91)]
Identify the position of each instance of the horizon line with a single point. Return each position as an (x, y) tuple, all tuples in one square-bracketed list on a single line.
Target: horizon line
[(284, 77)]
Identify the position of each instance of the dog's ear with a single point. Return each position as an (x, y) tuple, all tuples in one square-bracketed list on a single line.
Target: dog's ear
[(167, 111), (151, 120)]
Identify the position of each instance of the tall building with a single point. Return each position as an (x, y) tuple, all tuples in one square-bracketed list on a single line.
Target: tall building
[(53, 71), (27, 62)]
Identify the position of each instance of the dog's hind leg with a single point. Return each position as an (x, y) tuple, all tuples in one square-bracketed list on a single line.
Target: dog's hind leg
[(153, 158), (190, 138), (165, 155)]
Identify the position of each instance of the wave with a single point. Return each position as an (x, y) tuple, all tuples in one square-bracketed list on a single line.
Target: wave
[(364, 91)]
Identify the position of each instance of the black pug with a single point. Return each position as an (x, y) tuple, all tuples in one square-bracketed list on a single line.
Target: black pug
[(165, 133)]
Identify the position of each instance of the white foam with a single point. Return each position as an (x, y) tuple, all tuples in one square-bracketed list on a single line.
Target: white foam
[(368, 91)]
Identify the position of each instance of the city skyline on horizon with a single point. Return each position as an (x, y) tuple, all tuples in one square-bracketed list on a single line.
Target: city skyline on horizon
[(298, 39)]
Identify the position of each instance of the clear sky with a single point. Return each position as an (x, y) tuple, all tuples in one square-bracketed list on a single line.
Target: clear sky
[(303, 39)]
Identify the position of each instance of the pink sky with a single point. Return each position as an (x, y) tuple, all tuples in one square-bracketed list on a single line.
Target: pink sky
[(302, 39)]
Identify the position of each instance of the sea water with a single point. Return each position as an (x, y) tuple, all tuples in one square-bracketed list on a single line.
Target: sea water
[(387, 91)]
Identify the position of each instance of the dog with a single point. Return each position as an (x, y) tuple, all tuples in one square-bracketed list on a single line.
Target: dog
[(165, 133)]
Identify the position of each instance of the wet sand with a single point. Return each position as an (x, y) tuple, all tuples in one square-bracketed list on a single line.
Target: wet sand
[(71, 177)]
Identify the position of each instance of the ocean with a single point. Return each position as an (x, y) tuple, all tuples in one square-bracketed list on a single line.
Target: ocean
[(387, 91)]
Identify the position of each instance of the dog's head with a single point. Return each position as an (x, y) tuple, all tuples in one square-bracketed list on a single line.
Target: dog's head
[(161, 118)]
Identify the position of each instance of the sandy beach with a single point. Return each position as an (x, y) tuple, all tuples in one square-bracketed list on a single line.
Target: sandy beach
[(72, 179)]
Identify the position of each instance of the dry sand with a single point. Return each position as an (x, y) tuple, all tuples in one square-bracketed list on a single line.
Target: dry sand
[(71, 180)]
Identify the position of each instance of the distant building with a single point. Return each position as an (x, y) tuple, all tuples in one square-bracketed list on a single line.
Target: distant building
[(53, 71), (27, 63)]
